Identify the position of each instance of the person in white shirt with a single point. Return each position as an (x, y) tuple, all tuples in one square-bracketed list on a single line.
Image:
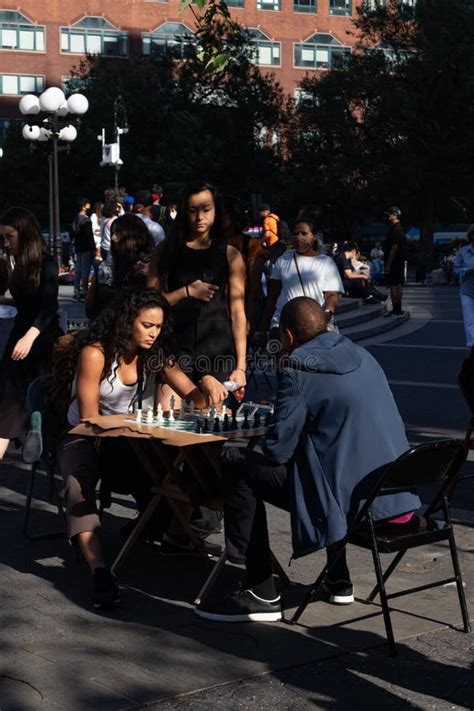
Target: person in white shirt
[(144, 209), (303, 271)]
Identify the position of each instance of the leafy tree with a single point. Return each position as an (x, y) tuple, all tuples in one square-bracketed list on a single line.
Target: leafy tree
[(185, 122), (394, 124)]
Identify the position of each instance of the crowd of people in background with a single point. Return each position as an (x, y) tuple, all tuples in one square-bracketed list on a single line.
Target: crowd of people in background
[(138, 265)]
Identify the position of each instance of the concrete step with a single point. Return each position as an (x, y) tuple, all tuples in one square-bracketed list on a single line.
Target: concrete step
[(362, 314), (346, 304), (374, 327)]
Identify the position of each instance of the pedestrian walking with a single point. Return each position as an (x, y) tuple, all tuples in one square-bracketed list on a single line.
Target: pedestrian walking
[(33, 284), (394, 264), (84, 246)]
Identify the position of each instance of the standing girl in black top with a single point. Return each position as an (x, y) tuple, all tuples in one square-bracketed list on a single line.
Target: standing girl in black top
[(33, 284), (203, 279)]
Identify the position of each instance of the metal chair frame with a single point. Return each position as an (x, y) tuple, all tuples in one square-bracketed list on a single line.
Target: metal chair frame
[(450, 455)]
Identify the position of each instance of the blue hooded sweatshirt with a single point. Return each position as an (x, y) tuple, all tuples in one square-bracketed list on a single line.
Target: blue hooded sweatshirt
[(335, 421)]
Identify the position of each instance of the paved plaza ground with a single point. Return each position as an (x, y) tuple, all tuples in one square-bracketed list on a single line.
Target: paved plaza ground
[(57, 653)]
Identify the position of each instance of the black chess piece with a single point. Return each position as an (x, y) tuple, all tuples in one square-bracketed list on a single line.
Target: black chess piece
[(245, 423), (268, 418), (226, 425), (198, 428), (234, 424), (217, 425), (206, 425), (256, 420)]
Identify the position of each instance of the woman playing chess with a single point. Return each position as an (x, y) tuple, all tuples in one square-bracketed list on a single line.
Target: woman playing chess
[(117, 363)]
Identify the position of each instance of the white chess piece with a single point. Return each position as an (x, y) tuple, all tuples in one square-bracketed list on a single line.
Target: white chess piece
[(212, 413), (149, 416), (159, 414), (139, 416)]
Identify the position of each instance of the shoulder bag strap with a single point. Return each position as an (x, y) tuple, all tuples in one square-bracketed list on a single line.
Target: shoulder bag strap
[(299, 273)]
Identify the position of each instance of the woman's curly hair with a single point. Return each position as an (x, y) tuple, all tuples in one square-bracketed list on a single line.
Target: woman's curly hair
[(112, 330)]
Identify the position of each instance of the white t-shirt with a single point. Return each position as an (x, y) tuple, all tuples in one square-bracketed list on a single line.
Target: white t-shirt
[(318, 274)]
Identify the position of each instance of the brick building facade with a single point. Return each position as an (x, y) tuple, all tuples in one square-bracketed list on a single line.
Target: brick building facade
[(41, 41)]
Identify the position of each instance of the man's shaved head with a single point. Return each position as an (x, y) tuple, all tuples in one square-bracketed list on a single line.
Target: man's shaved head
[(303, 318)]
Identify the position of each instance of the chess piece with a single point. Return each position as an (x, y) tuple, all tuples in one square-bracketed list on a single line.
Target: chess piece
[(268, 418), (182, 410), (206, 425), (226, 426), (217, 425), (245, 424), (198, 428), (171, 410), (159, 414), (149, 416), (256, 420), (139, 415), (191, 409), (212, 412), (234, 424)]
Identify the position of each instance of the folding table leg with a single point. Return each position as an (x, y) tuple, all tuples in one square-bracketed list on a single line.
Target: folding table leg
[(131, 540), (210, 581)]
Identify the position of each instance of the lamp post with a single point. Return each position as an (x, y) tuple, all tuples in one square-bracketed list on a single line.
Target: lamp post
[(111, 151), (49, 121)]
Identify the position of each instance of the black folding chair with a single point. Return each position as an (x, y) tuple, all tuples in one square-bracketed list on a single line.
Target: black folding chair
[(434, 463), (38, 401)]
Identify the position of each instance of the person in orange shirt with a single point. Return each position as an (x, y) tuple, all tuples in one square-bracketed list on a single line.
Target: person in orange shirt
[(270, 226)]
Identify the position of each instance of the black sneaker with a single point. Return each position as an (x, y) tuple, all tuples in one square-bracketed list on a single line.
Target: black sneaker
[(106, 592), (341, 592), (243, 606), (371, 300)]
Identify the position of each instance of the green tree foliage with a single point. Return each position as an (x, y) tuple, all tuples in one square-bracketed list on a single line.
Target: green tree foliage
[(185, 122), (394, 124)]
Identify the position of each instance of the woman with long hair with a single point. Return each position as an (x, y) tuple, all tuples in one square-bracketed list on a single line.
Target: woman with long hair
[(118, 360), (126, 266), (33, 284), (203, 278)]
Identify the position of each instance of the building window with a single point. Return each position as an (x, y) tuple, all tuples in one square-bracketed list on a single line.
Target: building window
[(305, 5), (94, 35), (321, 51), (18, 32), (171, 36), (266, 52), (274, 5), (16, 84), (305, 98), (373, 5), (340, 7), (235, 3)]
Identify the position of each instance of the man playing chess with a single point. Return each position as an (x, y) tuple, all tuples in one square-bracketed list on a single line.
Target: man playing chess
[(335, 421)]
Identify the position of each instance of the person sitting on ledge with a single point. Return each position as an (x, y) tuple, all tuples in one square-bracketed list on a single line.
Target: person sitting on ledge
[(335, 421)]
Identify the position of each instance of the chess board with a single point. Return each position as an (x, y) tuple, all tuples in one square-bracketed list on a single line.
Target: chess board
[(248, 419)]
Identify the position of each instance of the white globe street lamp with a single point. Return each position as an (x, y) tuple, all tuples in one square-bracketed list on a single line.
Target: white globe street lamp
[(55, 119)]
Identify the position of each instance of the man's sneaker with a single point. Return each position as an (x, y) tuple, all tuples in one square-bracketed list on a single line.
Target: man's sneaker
[(177, 548), (106, 592), (208, 523), (243, 606), (341, 592), (371, 300)]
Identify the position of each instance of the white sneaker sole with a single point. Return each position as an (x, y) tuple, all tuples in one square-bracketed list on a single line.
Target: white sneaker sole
[(341, 599), (249, 617)]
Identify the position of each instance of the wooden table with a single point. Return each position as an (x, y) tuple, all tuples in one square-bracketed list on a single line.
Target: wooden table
[(168, 450)]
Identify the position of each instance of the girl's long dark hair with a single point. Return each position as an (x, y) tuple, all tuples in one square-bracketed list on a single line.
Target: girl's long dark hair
[(166, 256), (31, 247), (133, 245), (112, 331)]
